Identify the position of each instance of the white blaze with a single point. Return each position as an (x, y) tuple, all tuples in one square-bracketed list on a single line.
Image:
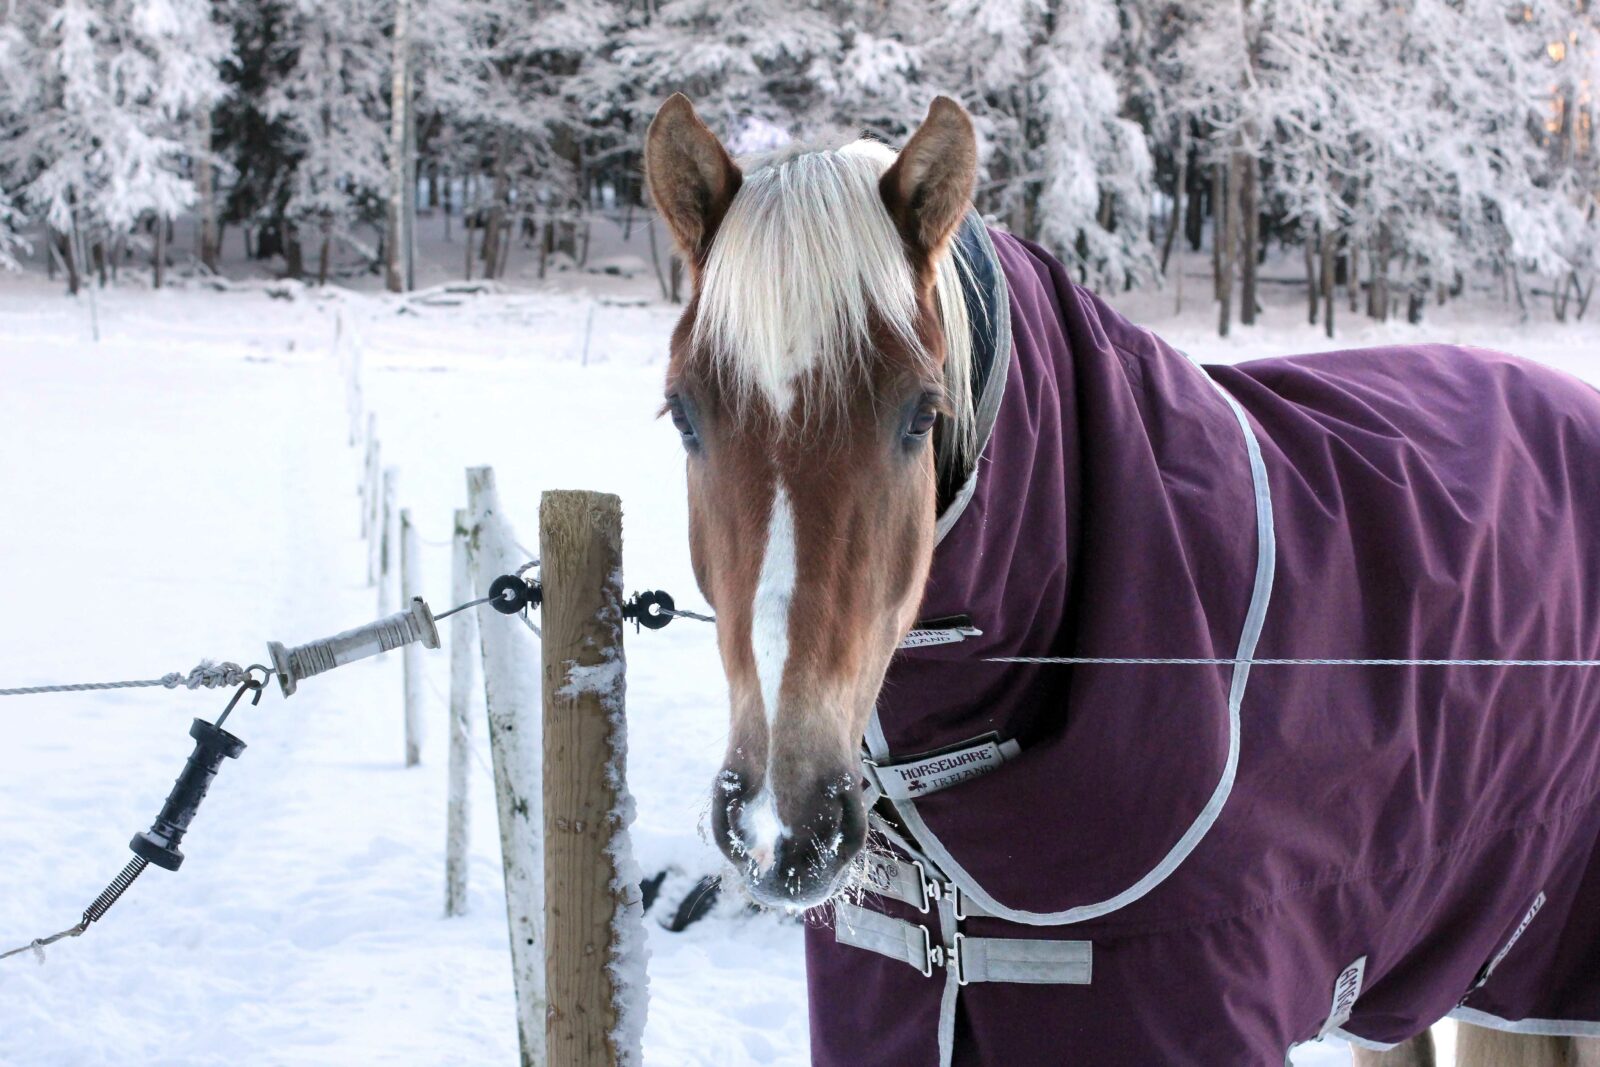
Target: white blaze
[(761, 829), (769, 623), (769, 638)]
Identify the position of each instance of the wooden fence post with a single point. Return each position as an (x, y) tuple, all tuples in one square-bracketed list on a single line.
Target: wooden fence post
[(388, 544), (411, 586), (510, 688), (463, 652), (592, 904)]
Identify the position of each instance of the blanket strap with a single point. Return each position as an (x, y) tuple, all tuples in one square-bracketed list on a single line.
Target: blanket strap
[(971, 959), (909, 882)]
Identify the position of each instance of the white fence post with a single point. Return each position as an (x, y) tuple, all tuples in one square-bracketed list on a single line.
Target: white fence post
[(511, 690), (372, 505), (411, 586), (388, 544), (353, 397), (463, 656)]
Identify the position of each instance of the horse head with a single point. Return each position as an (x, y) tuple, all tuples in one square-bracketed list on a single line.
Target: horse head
[(819, 377)]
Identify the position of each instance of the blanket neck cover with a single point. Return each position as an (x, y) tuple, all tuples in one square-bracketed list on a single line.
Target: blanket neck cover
[(1251, 858)]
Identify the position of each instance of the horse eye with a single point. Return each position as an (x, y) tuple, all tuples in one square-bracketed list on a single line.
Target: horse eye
[(680, 419), (922, 422)]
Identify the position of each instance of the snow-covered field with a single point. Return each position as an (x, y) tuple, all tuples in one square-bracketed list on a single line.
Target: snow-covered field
[(183, 489)]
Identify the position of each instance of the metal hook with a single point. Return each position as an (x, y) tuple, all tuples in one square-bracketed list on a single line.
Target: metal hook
[(248, 684)]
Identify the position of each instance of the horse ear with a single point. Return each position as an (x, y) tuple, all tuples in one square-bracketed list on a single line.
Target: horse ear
[(692, 178), (929, 188)]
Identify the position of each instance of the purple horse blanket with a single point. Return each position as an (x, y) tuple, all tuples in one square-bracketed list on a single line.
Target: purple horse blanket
[(1209, 864)]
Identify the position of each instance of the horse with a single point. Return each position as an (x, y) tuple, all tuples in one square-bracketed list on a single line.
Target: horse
[(917, 449)]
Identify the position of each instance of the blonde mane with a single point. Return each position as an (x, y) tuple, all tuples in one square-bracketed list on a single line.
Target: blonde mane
[(804, 259)]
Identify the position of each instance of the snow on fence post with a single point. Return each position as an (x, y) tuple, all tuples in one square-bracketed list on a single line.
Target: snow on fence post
[(388, 546), (411, 586), (463, 651), (510, 689), (370, 504), (594, 955), (351, 350)]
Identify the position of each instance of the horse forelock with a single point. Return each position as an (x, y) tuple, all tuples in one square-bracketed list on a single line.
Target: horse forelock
[(808, 282)]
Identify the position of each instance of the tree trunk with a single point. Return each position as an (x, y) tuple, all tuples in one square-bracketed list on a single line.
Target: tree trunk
[(1311, 245), (1179, 183), (399, 107), (1226, 227), (467, 206), (294, 259), (1194, 217), (1250, 231), (1378, 294), (66, 250), (206, 179), (1328, 268), (324, 253), (495, 222), (1352, 275), (655, 259), (160, 261), (410, 204), (1218, 215)]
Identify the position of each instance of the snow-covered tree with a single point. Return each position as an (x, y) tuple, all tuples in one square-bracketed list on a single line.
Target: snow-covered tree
[(1065, 165), (333, 104), (105, 94)]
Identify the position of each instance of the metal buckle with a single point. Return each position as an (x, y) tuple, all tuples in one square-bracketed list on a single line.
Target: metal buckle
[(930, 888), (932, 954), (935, 890), (954, 958), (955, 905)]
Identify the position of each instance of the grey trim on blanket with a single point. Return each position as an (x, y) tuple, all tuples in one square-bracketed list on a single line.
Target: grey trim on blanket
[(1266, 566), (989, 311), (1361, 1042), (1542, 1027)]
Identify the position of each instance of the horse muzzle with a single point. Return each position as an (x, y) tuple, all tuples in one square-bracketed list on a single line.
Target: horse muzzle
[(798, 861)]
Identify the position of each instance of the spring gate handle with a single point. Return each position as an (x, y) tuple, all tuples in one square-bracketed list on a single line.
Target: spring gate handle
[(294, 665), (159, 844)]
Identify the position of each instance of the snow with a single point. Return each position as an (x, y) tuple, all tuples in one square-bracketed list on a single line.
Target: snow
[(185, 488)]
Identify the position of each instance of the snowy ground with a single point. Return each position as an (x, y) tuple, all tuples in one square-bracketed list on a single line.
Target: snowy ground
[(183, 489)]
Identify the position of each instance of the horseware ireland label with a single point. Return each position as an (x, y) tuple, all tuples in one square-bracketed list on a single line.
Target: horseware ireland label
[(1345, 992), (915, 778)]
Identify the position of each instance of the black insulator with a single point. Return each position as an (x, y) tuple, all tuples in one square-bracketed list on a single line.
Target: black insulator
[(159, 844), (510, 594), (652, 610)]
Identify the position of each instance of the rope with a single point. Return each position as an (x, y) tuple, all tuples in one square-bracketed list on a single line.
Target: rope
[(1196, 661), (207, 675), (37, 944)]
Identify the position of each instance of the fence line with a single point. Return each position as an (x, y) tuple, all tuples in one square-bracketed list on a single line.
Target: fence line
[(563, 810)]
